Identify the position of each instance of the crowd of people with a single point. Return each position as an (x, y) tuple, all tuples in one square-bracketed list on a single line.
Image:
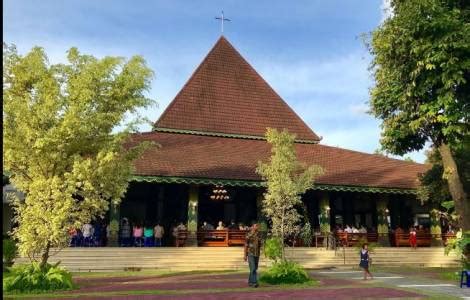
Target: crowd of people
[(207, 226), (129, 235), (353, 229)]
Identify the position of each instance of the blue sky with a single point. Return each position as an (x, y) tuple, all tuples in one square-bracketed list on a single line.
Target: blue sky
[(309, 51)]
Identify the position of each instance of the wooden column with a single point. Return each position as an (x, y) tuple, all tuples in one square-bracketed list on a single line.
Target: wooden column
[(436, 231), (113, 233), (193, 203), (382, 220), (324, 209)]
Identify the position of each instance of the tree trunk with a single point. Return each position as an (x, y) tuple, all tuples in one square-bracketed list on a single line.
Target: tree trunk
[(45, 255), (462, 206)]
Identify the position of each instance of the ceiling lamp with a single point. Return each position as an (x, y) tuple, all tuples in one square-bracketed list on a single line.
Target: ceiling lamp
[(219, 193)]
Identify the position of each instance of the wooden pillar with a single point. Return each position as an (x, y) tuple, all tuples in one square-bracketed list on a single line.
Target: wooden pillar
[(193, 203), (113, 232), (324, 209), (436, 231), (382, 221)]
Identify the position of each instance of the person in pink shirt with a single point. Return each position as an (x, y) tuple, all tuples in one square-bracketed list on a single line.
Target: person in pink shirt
[(137, 233)]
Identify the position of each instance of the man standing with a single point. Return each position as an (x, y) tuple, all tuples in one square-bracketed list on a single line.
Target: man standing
[(158, 231), (252, 251)]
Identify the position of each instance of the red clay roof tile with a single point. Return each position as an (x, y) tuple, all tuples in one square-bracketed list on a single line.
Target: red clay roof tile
[(185, 155), (226, 95)]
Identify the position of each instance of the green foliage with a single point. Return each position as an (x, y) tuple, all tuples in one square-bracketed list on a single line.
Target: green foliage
[(33, 278), (421, 66), (306, 234), (461, 246), (60, 142), (273, 248), (286, 180), (285, 272), (434, 187), (10, 250)]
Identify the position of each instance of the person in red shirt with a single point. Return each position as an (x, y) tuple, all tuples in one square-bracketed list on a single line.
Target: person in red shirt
[(413, 238)]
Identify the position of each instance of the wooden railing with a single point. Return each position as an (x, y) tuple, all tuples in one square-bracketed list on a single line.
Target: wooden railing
[(423, 239), (221, 238), (353, 239), (446, 237)]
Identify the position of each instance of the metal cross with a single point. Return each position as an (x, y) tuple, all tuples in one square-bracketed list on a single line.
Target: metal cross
[(222, 19)]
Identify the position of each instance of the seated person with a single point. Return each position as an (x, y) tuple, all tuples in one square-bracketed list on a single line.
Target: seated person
[(241, 226), (138, 233), (148, 236), (207, 226), (220, 226), (354, 230), (339, 229), (181, 227), (348, 229), (362, 229), (232, 225)]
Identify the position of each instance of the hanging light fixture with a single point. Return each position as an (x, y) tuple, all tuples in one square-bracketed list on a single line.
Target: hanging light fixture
[(219, 193)]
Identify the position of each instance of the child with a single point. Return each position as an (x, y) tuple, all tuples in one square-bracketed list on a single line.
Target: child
[(413, 238), (364, 263)]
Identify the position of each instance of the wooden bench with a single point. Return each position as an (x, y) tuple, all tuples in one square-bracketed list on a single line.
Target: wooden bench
[(423, 239), (213, 238), (181, 238), (236, 237), (353, 239)]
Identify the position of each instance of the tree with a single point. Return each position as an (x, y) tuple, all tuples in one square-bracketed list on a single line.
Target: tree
[(59, 145), (434, 188), (286, 180), (421, 66)]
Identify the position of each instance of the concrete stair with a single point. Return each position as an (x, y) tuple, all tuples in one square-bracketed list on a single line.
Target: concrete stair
[(231, 258)]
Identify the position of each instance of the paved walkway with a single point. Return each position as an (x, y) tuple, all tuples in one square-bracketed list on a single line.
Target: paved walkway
[(420, 284), (232, 286)]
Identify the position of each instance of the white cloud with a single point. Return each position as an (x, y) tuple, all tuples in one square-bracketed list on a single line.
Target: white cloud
[(345, 74), (386, 10)]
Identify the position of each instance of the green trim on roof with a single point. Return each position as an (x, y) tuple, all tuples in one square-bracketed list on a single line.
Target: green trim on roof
[(256, 183), (221, 134)]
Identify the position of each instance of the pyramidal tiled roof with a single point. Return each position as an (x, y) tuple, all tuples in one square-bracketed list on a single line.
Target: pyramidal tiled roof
[(226, 95)]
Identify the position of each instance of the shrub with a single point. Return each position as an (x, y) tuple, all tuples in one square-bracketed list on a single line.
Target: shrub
[(29, 278), (461, 246), (285, 272), (273, 248), (9, 252)]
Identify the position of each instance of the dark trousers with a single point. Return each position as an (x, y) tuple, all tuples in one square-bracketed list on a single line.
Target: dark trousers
[(253, 264)]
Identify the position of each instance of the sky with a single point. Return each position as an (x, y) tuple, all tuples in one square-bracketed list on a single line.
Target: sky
[(310, 51)]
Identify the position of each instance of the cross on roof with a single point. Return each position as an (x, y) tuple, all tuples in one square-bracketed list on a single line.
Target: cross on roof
[(222, 19)]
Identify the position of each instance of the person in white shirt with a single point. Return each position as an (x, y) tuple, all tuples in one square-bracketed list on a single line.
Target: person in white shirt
[(220, 226), (348, 229), (158, 233), (354, 230), (362, 230), (87, 231)]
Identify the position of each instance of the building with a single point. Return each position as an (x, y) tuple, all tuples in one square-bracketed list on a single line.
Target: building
[(211, 138)]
